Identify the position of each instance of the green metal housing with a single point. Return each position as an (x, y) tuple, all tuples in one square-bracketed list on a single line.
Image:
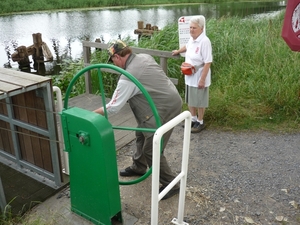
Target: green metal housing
[(94, 185), (89, 139)]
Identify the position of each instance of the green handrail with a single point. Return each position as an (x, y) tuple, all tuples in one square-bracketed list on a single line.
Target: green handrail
[(138, 84)]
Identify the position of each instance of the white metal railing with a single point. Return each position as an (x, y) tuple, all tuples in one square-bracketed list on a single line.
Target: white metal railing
[(182, 176), (64, 155)]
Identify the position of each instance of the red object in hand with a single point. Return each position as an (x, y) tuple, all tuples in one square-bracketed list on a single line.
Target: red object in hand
[(187, 69)]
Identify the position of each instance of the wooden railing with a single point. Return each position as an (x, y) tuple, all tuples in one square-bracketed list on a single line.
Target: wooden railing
[(163, 55)]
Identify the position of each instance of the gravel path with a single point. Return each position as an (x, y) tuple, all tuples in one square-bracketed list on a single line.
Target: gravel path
[(234, 178)]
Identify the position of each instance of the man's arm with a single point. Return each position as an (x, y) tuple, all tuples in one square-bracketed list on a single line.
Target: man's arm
[(124, 91)]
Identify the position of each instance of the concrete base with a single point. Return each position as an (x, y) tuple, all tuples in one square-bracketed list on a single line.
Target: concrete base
[(57, 210)]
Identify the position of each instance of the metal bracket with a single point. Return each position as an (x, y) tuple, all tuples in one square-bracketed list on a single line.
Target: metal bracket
[(83, 137)]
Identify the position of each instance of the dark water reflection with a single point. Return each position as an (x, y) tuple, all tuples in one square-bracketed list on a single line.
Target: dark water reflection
[(63, 32)]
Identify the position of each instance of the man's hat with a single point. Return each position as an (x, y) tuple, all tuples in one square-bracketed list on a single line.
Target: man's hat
[(115, 47)]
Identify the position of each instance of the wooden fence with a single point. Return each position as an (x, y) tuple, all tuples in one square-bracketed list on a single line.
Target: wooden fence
[(163, 55)]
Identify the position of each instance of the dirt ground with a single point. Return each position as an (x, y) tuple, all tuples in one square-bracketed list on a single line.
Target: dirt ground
[(233, 178)]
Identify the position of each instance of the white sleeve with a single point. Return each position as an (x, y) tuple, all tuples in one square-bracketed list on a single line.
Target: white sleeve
[(124, 91)]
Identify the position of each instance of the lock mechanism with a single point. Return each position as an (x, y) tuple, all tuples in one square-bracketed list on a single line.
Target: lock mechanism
[(84, 138)]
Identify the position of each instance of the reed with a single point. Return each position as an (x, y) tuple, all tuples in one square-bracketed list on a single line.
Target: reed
[(17, 6), (255, 76)]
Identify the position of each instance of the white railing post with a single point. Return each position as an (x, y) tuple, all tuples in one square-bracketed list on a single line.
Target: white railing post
[(59, 109), (182, 176)]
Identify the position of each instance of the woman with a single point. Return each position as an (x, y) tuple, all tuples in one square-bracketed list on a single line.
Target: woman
[(198, 58)]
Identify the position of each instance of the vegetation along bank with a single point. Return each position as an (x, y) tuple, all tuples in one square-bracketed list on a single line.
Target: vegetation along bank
[(255, 75)]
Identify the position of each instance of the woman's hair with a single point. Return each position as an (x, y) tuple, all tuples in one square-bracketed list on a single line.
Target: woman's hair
[(200, 20)]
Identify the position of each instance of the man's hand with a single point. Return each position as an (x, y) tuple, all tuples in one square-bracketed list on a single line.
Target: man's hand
[(99, 111)]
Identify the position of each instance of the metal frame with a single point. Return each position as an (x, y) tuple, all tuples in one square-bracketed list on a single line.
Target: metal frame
[(54, 179), (2, 197), (182, 176)]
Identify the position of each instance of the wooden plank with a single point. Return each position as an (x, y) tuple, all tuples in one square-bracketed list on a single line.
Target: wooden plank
[(41, 113), (164, 56), (3, 107), (18, 74), (46, 154), (16, 80), (6, 87), (145, 32), (4, 136), (160, 53), (31, 109), (21, 114), (37, 149), (6, 142), (44, 143)]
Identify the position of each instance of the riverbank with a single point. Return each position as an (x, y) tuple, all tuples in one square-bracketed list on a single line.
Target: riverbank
[(8, 7), (68, 5), (254, 73), (251, 88)]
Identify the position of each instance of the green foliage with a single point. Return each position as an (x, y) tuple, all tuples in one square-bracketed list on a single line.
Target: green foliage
[(109, 79), (40, 5), (7, 217), (255, 76), (167, 40), (69, 71)]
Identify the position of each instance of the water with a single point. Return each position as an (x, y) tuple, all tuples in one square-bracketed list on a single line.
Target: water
[(63, 32)]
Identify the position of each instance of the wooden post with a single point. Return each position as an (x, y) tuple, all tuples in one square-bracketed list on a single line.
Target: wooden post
[(148, 26), (22, 56), (99, 41), (140, 24), (155, 28), (86, 60), (38, 52)]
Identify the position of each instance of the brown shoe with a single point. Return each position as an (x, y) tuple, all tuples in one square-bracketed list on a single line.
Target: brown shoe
[(192, 124), (128, 172)]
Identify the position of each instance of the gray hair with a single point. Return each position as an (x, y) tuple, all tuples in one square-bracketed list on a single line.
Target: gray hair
[(200, 20)]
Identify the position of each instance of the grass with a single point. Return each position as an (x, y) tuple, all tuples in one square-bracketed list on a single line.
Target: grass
[(7, 217), (255, 75), (17, 6), (255, 81)]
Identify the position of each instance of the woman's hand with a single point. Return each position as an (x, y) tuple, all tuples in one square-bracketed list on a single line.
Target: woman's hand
[(175, 52), (185, 64), (201, 84)]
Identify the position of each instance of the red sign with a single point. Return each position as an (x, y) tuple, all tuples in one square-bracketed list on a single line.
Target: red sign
[(291, 27)]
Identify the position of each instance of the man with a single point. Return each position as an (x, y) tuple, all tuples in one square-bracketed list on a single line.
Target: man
[(166, 99)]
